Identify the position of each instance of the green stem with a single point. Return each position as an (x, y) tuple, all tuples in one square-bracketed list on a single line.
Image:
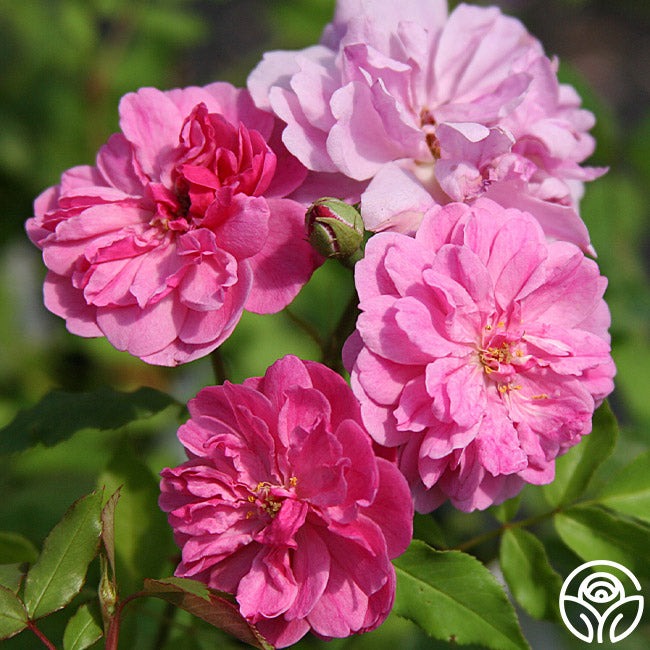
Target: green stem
[(307, 327), (218, 365), (46, 642), (486, 537), (334, 344)]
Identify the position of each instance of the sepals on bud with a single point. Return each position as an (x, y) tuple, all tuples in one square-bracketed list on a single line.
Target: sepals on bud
[(335, 229)]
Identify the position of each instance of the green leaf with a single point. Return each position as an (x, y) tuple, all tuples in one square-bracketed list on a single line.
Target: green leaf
[(11, 575), (16, 548), (59, 415), (187, 585), (531, 579), (83, 629), (138, 519), (629, 491), (507, 510), (215, 607), (453, 597), (13, 617), (60, 572), (574, 470), (594, 534)]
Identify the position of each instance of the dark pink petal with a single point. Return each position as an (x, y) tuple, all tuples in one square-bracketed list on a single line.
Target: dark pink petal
[(305, 408), (269, 588), (282, 375), (282, 633), (311, 567), (285, 525), (362, 476), (323, 483), (336, 391), (388, 511)]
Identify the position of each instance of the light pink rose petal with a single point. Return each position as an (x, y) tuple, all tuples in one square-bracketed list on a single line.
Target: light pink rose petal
[(394, 200), (558, 221), (115, 161), (65, 301), (151, 122), (142, 331), (358, 143), (305, 142)]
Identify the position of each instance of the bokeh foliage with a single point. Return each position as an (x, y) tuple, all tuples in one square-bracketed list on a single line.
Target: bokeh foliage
[(64, 66)]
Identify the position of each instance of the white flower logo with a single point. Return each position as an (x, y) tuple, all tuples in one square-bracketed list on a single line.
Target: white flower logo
[(599, 601)]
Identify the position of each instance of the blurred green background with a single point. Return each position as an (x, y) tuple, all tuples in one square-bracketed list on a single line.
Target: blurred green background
[(64, 66)]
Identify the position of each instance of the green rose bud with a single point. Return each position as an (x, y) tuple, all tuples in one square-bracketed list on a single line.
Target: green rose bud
[(335, 229)]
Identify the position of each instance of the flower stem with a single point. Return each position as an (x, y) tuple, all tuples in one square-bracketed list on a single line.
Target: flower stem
[(486, 537), (46, 642), (307, 327), (334, 344), (218, 365), (113, 632)]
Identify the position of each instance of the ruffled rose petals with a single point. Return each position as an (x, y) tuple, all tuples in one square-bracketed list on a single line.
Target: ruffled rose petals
[(452, 107), (481, 352), (181, 225), (284, 503)]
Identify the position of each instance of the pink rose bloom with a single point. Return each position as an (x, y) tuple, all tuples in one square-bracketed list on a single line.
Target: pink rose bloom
[(434, 108), (180, 226), (481, 352), (284, 504)]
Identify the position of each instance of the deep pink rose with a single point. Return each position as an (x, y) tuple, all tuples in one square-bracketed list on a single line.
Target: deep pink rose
[(434, 108), (481, 352), (284, 504), (180, 226)]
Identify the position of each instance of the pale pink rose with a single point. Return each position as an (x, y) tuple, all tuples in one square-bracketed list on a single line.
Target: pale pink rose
[(433, 108), (180, 226), (481, 351), (284, 504)]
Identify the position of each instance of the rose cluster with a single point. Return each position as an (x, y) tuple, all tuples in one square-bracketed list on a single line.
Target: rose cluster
[(482, 346)]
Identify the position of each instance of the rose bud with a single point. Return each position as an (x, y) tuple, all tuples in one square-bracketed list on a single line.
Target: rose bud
[(335, 229)]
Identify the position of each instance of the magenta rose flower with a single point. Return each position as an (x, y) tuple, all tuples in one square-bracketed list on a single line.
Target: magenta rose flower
[(434, 108), (481, 352), (284, 504), (181, 225)]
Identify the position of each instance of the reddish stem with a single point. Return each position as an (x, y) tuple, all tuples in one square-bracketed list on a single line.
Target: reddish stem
[(113, 632), (46, 642)]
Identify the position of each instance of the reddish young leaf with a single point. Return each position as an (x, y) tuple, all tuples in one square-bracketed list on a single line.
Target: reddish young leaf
[(216, 607)]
